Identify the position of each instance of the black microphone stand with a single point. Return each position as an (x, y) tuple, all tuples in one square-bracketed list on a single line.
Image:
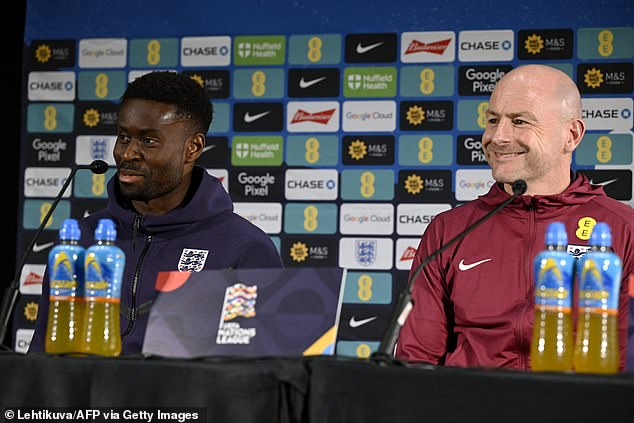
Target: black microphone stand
[(404, 304), (11, 292)]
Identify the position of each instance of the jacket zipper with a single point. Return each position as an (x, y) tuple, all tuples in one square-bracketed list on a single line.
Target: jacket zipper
[(527, 285), (132, 315)]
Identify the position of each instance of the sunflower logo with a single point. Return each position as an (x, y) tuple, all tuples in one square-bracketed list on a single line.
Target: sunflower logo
[(593, 78), (30, 311), (534, 44), (414, 184), (299, 252), (415, 115), (357, 149), (43, 53), (198, 79), (91, 118)]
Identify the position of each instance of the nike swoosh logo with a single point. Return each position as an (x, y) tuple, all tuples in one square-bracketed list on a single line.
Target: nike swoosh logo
[(463, 266), (604, 183), (38, 248), (306, 84), (86, 213), (361, 49), (356, 323), (209, 147), (252, 118)]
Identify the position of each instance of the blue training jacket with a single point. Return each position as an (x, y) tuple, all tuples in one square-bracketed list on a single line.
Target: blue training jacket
[(154, 243)]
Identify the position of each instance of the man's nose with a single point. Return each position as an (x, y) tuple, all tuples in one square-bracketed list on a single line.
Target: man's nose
[(132, 150), (502, 132)]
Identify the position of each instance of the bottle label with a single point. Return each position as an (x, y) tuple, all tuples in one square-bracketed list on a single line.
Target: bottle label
[(553, 280), (103, 271), (63, 262), (599, 282)]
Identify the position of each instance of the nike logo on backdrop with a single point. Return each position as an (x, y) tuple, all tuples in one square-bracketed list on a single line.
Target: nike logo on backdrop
[(356, 323), (252, 118), (306, 84), (209, 147), (463, 266), (361, 49), (38, 248), (604, 183)]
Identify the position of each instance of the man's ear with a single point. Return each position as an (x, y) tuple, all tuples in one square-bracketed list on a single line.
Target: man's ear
[(194, 147), (575, 134)]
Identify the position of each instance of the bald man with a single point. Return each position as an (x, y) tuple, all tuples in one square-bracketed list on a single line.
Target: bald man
[(473, 303)]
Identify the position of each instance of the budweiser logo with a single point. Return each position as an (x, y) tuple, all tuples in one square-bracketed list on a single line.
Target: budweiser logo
[(33, 279), (318, 117), (408, 254), (437, 47)]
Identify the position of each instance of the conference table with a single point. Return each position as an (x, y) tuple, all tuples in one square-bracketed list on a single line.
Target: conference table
[(304, 389)]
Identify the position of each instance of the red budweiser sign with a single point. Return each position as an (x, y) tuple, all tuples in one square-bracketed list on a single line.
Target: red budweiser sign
[(408, 254), (322, 117), (437, 47)]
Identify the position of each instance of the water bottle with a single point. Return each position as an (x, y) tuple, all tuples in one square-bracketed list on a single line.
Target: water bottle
[(552, 342), (104, 266), (65, 265), (599, 274)]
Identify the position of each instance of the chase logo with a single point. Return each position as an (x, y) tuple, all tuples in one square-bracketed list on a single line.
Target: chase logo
[(373, 81), (368, 150), (607, 113), (154, 52), (259, 50), (425, 185), (425, 150), (103, 52), (257, 151), (616, 183), (101, 85), (470, 150), (427, 81), (50, 118), (320, 82), (95, 147), (367, 184), (544, 44), (50, 150), (371, 48), (485, 46), (312, 49), (311, 184), (317, 251), (51, 86), (258, 117), (366, 219), (480, 80), (258, 83), (428, 47), (605, 78), (52, 54), (215, 82), (254, 185), (605, 43), (599, 149), (205, 51), (310, 218), (266, 216), (413, 219), (312, 150), (96, 117), (471, 183), (426, 115), (366, 253), (23, 340)]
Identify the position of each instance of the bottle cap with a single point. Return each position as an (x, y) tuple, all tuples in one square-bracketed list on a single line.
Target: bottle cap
[(556, 234), (106, 230), (601, 235), (70, 230)]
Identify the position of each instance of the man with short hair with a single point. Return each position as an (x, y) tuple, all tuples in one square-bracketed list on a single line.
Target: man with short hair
[(473, 303)]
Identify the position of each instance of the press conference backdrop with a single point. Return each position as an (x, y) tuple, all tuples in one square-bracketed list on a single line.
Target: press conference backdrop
[(339, 129)]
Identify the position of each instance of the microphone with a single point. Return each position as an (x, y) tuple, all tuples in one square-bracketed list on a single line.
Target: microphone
[(404, 301), (11, 292)]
